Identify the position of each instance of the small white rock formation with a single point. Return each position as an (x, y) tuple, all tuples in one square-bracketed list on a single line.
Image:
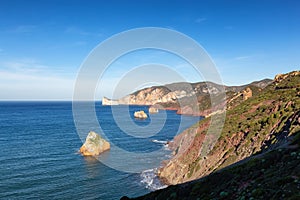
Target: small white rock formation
[(109, 102), (94, 145), (140, 114), (152, 110)]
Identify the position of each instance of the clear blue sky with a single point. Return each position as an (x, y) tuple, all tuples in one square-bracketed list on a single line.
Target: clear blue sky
[(43, 43)]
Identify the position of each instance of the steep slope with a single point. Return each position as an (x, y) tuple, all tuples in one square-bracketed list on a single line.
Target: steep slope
[(261, 122), (273, 175), (256, 157)]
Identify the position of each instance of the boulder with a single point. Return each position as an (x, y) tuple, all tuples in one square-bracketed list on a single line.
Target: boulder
[(140, 114), (94, 145)]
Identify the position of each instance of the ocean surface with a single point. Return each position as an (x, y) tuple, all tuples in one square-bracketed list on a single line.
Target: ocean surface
[(39, 152)]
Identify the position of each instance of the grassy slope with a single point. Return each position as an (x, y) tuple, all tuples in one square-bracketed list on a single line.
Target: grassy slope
[(263, 121), (258, 125)]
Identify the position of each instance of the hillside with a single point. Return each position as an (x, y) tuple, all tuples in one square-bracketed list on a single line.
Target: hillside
[(273, 175), (260, 122), (187, 98), (261, 133)]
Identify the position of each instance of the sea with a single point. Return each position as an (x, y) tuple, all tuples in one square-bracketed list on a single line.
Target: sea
[(39, 145)]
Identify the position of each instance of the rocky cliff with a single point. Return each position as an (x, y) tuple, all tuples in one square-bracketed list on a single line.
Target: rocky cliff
[(257, 154), (252, 125), (186, 98), (272, 175)]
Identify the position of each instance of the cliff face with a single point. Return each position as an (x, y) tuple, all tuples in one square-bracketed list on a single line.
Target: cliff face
[(254, 123), (273, 175), (186, 98)]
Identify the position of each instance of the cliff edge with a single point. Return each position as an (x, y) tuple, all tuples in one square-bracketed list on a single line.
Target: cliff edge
[(261, 122), (257, 154)]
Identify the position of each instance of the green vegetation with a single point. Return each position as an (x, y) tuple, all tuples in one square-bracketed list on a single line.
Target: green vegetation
[(273, 175), (264, 132)]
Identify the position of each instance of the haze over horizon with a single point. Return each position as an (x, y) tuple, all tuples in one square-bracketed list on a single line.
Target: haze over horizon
[(44, 43)]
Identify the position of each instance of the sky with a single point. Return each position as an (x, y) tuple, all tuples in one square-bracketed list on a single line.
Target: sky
[(43, 44)]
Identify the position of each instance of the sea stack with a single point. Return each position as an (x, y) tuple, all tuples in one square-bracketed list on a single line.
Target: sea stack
[(140, 114), (94, 145), (153, 109)]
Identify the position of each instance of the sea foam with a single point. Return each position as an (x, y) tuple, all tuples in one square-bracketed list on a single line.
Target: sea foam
[(151, 180)]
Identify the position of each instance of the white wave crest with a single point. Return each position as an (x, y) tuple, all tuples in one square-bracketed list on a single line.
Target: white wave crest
[(150, 179), (160, 141)]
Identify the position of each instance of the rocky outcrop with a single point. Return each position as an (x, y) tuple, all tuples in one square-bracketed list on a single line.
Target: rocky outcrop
[(247, 93), (109, 102), (280, 77), (153, 109), (186, 98), (94, 145), (140, 114)]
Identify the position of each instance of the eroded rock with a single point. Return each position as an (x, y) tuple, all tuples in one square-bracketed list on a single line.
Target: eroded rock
[(247, 93), (153, 109), (94, 145), (140, 114)]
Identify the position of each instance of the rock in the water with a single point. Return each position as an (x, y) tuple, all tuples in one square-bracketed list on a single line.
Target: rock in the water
[(152, 109), (140, 114), (94, 145)]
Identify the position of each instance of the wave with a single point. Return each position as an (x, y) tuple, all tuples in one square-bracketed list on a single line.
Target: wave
[(151, 180), (160, 141)]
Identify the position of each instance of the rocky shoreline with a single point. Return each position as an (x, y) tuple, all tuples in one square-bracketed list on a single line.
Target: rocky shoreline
[(256, 122), (262, 126), (188, 98)]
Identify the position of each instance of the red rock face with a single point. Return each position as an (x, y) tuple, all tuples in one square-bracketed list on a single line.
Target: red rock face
[(186, 148)]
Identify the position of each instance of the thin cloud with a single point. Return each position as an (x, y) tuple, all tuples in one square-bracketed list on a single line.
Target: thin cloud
[(75, 30), (30, 66), (16, 86), (242, 57), (200, 20), (16, 76), (29, 79), (25, 65), (78, 31), (80, 43), (23, 29)]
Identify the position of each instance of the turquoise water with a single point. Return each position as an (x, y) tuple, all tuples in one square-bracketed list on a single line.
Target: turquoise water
[(39, 159)]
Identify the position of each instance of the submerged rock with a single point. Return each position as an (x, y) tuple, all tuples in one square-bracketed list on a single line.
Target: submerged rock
[(140, 114), (94, 145)]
